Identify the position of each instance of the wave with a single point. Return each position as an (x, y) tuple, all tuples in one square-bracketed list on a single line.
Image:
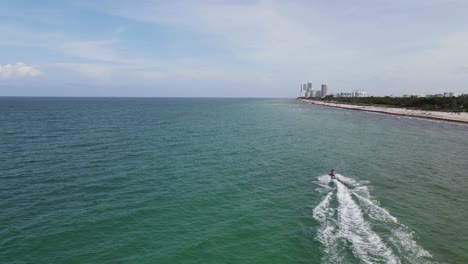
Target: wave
[(349, 217)]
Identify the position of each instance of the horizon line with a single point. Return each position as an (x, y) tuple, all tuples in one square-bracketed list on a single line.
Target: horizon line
[(168, 97)]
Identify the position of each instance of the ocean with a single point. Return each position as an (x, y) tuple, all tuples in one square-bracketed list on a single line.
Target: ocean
[(180, 180)]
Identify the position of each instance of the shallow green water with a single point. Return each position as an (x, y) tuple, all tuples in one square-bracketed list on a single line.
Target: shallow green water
[(101, 180)]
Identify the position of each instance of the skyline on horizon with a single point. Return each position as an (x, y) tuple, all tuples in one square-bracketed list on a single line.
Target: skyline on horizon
[(231, 48)]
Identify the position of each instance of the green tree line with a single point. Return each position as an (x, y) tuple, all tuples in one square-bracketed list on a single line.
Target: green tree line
[(452, 104)]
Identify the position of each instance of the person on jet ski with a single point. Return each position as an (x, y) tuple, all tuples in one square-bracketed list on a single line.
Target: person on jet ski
[(332, 174)]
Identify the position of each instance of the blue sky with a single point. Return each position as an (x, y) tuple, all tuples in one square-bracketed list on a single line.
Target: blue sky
[(232, 48)]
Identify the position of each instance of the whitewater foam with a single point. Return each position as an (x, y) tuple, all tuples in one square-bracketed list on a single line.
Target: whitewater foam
[(347, 216), (320, 212), (366, 244)]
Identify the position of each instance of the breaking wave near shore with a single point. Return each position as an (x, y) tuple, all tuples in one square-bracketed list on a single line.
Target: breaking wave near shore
[(354, 228)]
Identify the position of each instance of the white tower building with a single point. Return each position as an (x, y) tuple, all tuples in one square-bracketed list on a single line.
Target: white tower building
[(303, 90), (324, 90)]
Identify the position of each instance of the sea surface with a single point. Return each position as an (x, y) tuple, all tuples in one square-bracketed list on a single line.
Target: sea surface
[(164, 180)]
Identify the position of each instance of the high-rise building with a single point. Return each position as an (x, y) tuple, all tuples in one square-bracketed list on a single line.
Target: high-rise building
[(303, 90), (309, 90), (306, 89), (313, 93), (324, 90)]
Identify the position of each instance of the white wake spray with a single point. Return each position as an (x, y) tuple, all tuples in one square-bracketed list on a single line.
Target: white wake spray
[(347, 215)]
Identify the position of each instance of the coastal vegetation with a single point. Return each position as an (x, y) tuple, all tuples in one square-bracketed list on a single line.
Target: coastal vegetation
[(448, 104)]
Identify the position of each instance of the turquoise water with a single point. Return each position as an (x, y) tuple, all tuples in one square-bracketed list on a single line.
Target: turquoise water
[(121, 180)]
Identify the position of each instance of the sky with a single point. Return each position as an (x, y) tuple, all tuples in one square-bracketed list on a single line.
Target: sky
[(231, 48)]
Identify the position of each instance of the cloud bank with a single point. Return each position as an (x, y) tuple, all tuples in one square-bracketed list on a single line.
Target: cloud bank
[(18, 70)]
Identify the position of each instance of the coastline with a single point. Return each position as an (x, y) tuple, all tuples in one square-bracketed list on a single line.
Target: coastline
[(459, 118)]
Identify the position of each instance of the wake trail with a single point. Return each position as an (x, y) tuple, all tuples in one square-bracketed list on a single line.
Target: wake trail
[(401, 237), (367, 245), (347, 215), (327, 231)]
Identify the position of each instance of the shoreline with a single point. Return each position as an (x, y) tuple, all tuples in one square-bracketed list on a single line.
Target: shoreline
[(461, 118)]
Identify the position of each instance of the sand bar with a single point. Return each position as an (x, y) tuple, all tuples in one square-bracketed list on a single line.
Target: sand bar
[(432, 115)]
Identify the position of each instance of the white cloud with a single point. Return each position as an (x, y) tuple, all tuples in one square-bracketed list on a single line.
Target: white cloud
[(18, 70), (259, 31), (442, 61), (92, 50)]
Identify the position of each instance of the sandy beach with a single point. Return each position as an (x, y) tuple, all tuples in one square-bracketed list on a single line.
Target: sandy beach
[(431, 115)]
